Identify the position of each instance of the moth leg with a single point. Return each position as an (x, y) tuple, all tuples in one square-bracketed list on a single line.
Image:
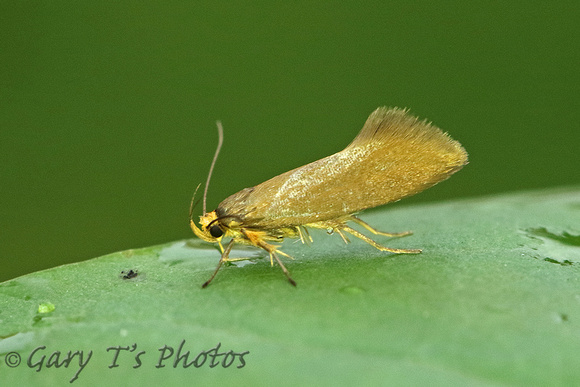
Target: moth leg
[(377, 232), (331, 227), (228, 259), (344, 237), (304, 235), (223, 259), (286, 272), (284, 254), (376, 245), (257, 239), (272, 250), (237, 259)]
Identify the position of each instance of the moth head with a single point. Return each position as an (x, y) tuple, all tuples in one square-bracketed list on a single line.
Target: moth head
[(210, 229)]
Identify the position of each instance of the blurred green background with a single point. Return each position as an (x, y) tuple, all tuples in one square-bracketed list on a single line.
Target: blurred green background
[(108, 109)]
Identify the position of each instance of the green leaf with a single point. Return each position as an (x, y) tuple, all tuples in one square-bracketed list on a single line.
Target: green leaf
[(493, 299)]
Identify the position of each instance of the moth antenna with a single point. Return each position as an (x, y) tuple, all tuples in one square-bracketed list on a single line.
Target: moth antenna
[(192, 205), (215, 156)]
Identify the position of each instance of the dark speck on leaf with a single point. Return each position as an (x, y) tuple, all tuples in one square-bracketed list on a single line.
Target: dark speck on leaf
[(129, 274)]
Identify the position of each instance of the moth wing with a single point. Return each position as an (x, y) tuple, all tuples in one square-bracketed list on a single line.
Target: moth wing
[(395, 155)]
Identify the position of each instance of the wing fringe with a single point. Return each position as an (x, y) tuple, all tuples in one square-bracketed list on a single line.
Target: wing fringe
[(386, 125)]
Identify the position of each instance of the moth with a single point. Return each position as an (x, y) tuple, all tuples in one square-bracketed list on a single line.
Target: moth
[(395, 155)]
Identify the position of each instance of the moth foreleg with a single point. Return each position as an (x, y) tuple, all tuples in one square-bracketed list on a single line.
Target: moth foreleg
[(376, 245), (377, 232), (224, 258)]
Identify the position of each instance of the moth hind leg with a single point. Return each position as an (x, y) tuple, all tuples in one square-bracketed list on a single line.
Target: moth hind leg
[(375, 244), (364, 224)]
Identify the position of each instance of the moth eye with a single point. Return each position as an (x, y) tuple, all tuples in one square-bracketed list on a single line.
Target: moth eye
[(216, 231)]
